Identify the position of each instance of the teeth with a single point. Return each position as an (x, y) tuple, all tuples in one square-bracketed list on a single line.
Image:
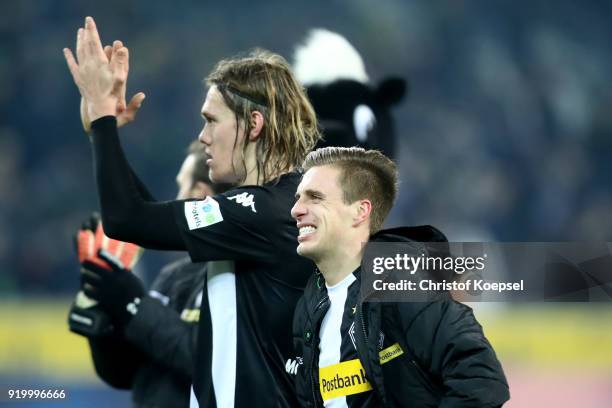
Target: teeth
[(307, 230)]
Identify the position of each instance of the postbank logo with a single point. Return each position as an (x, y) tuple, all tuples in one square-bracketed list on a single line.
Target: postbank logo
[(390, 353), (345, 378)]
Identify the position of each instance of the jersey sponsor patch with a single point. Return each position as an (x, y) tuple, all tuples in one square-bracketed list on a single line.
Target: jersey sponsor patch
[(345, 378), (245, 199), (200, 214), (291, 366), (390, 353), (190, 315)]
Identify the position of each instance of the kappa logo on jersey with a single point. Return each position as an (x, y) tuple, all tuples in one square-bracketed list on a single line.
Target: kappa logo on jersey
[(292, 366), (245, 199), (202, 213)]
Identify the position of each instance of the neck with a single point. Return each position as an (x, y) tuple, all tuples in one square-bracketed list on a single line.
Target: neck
[(339, 265), (255, 178), (252, 178)]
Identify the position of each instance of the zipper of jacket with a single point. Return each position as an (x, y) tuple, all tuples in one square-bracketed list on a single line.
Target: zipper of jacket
[(363, 328), (312, 379), (315, 345), (365, 337), (424, 377), (365, 334)]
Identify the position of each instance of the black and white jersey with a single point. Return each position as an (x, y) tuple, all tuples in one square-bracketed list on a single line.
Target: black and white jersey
[(327, 357), (153, 354), (254, 281), (342, 379)]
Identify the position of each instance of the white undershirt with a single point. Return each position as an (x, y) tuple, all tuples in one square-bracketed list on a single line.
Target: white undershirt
[(330, 337), (221, 285)]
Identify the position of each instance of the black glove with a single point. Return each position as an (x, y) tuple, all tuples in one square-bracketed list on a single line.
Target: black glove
[(85, 316), (117, 290)]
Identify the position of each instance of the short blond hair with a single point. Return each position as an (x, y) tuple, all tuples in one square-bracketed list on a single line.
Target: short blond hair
[(263, 82), (363, 174)]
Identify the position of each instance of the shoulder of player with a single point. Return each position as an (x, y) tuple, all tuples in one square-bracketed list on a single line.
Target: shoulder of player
[(268, 198)]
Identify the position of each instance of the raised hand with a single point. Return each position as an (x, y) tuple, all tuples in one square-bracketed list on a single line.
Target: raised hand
[(125, 113), (101, 76)]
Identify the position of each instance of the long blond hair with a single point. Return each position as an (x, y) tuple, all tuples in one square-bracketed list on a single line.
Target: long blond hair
[(262, 81)]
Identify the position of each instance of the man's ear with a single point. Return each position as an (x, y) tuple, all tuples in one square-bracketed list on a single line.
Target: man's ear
[(257, 123), (363, 210)]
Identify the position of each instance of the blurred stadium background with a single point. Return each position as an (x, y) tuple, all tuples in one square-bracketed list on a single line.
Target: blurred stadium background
[(506, 136)]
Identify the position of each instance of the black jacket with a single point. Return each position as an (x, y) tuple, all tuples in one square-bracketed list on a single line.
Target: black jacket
[(446, 360), (153, 356)]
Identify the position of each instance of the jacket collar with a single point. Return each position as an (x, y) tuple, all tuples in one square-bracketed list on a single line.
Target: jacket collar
[(316, 290), (418, 233)]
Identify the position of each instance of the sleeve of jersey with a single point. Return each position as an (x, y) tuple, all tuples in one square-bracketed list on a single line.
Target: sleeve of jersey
[(235, 226), (128, 213), (159, 332), (115, 360)]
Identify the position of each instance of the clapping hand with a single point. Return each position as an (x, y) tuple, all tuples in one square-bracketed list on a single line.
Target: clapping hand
[(101, 76)]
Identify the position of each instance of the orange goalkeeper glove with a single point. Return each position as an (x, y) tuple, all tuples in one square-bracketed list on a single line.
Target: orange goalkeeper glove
[(86, 317)]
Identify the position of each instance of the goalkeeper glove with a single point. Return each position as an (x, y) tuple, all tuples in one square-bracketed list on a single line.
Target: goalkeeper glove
[(117, 290), (86, 317)]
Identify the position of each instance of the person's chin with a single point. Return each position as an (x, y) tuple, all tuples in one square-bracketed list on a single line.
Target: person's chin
[(213, 175), (218, 177), (305, 250)]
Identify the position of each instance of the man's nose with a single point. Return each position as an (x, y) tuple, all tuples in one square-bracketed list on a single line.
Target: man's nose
[(298, 210), (203, 136)]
